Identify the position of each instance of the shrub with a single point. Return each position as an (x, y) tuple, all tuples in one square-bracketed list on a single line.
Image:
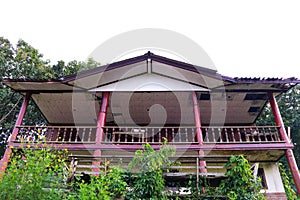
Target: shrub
[(103, 187), (34, 174), (240, 182), (147, 167)]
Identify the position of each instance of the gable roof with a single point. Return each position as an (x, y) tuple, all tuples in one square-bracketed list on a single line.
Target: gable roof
[(245, 97)]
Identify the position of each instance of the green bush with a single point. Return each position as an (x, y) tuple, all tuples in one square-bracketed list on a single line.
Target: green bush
[(34, 174), (147, 167), (240, 182), (102, 187)]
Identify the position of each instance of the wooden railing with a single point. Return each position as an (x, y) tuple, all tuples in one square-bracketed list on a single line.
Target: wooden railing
[(241, 134), (149, 135), (152, 135), (57, 134), (182, 135)]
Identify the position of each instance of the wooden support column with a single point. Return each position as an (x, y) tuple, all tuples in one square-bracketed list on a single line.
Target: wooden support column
[(100, 124), (198, 131), (4, 161), (283, 135)]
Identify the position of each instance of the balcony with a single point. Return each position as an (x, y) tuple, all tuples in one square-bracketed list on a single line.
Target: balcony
[(152, 135)]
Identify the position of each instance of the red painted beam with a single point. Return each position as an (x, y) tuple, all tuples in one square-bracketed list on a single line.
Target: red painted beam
[(294, 169), (197, 119), (289, 153), (8, 151), (199, 137), (102, 117), (100, 124)]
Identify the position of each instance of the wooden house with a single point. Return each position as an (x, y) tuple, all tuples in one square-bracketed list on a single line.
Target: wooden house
[(108, 112)]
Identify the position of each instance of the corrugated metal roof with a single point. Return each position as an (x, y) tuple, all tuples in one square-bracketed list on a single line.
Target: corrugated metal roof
[(278, 83)]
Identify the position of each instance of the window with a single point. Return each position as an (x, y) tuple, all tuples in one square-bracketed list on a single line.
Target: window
[(254, 109), (204, 97), (255, 96), (261, 175)]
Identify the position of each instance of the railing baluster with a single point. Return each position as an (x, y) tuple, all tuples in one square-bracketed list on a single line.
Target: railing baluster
[(49, 134), (105, 133), (71, 134), (90, 134), (220, 135), (258, 134), (57, 136), (238, 131), (226, 134), (276, 134), (232, 134), (167, 134), (263, 134), (159, 135), (83, 133), (77, 135), (119, 137), (186, 135), (206, 131), (153, 132), (213, 135), (144, 135), (270, 133), (173, 135), (64, 134), (180, 135), (113, 137), (126, 136), (194, 135)]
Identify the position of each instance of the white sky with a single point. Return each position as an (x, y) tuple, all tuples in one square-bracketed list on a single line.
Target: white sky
[(243, 38)]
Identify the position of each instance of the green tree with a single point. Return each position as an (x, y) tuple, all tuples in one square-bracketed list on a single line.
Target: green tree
[(289, 106), (23, 61)]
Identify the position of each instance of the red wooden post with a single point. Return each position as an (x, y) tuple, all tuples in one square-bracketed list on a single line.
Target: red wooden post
[(198, 131), (289, 153), (100, 125), (293, 167), (8, 151), (102, 117)]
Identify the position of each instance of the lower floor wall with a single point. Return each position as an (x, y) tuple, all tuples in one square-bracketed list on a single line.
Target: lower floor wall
[(274, 189), (272, 177), (267, 171)]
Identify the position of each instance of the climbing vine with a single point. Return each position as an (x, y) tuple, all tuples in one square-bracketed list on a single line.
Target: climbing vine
[(239, 182), (289, 191), (147, 167)]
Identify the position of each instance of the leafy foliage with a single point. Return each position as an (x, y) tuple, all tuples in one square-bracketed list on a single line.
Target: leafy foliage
[(34, 174), (103, 187), (25, 62), (289, 191), (148, 166), (240, 182), (289, 106)]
